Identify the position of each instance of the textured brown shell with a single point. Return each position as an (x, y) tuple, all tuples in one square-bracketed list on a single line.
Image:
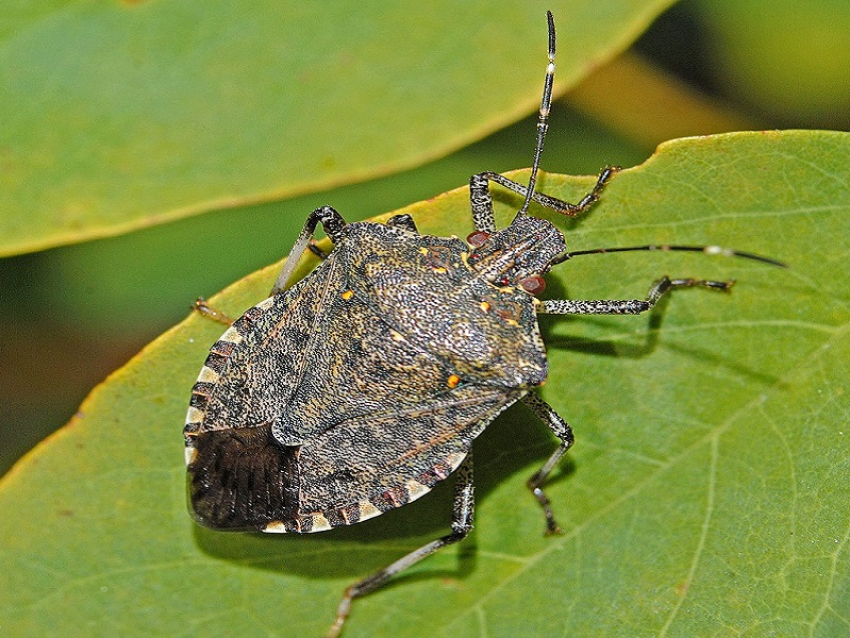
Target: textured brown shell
[(358, 389)]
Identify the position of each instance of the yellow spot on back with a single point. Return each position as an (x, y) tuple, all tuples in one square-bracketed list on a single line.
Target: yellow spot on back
[(348, 294), (484, 306), (453, 381)]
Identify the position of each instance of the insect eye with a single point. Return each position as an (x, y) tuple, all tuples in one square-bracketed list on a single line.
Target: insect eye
[(477, 238), (474, 258), (502, 281), (534, 285)]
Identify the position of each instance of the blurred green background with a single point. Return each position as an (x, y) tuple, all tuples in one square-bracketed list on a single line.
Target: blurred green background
[(77, 312)]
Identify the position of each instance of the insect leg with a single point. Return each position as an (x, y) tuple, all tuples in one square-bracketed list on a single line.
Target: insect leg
[(203, 308), (331, 221), (463, 511), (628, 306), (564, 432), (403, 221), (481, 201), (313, 247)]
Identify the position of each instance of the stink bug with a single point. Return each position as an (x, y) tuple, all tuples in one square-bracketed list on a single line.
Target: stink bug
[(362, 386)]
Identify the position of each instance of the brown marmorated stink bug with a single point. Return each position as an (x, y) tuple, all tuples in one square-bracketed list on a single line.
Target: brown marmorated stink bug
[(362, 386)]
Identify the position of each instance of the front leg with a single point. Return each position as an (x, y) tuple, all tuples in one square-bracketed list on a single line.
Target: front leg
[(404, 221), (481, 201), (205, 310), (627, 306), (331, 221)]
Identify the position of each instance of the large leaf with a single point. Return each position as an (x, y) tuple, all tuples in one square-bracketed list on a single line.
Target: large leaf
[(706, 495), (123, 114), (789, 64)]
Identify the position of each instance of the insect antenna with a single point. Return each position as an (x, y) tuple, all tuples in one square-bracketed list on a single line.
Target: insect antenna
[(543, 120), (708, 250)]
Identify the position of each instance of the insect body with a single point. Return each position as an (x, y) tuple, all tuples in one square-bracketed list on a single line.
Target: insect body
[(359, 388)]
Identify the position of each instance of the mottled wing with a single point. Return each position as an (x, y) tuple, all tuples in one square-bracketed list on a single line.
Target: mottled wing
[(242, 479), (254, 368), (238, 476), (323, 406)]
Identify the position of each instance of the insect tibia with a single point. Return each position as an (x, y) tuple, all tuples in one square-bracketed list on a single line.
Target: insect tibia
[(204, 309)]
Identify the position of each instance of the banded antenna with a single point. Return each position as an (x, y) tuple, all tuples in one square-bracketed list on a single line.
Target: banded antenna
[(543, 120), (708, 250)]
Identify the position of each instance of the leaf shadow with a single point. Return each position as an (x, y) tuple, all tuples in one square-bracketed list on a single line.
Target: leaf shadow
[(638, 350)]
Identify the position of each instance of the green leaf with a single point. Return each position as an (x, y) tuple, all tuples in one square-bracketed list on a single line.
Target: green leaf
[(788, 64), (92, 286), (706, 494), (125, 114)]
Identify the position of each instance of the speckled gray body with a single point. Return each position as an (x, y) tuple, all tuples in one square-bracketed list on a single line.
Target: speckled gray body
[(362, 386)]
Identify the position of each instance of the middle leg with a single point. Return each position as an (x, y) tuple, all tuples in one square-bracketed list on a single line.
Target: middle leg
[(564, 432)]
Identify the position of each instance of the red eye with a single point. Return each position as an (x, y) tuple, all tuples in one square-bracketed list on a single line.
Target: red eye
[(533, 285), (477, 238), (502, 281)]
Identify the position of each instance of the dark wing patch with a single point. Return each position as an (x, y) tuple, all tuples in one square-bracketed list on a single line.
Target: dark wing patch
[(241, 479)]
